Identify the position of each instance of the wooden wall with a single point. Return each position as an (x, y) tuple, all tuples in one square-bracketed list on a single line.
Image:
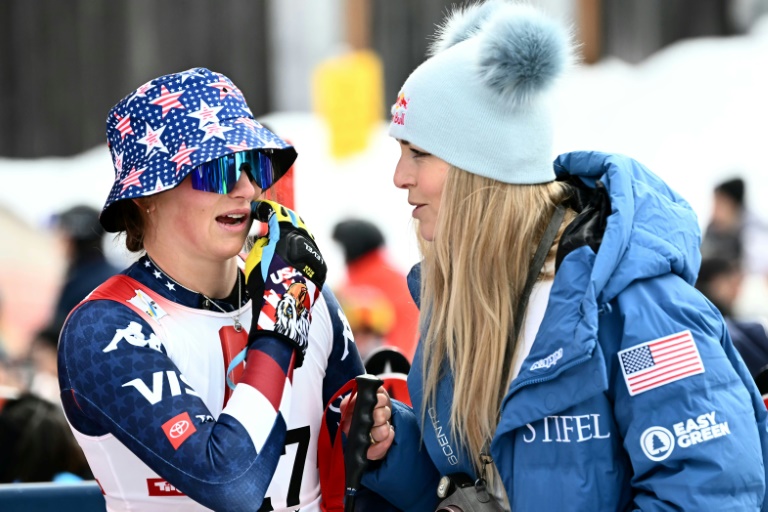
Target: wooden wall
[(65, 63)]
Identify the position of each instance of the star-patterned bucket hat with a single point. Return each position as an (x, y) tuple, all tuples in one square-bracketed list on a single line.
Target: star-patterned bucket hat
[(172, 124)]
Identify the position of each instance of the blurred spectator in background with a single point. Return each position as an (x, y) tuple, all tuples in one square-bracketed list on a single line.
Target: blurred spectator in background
[(44, 379), (734, 231), (736, 234), (720, 281), (37, 444), (3, 354), (82, 236), (371, 318), (36, 372), (370, 314), (368, 265), (10, 380), (723, 235)]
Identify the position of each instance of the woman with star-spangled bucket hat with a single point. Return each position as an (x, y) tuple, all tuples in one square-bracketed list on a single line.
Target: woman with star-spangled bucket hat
[(166, 389)]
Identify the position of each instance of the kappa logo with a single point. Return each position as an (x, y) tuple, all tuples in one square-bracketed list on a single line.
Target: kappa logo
[(348, 336), (178, 429), (658, 442), (548, 361), (134, 335), (204, 418)]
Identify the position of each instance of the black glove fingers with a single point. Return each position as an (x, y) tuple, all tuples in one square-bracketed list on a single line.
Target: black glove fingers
[(302, 253)]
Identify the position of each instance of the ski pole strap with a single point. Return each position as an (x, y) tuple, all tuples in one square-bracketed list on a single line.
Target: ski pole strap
[(330, 457)]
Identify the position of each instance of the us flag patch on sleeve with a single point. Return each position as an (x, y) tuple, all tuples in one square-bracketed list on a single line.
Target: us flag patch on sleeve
[(659, 362)]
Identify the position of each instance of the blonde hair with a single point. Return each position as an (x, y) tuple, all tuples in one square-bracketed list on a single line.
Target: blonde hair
[(470, 290)]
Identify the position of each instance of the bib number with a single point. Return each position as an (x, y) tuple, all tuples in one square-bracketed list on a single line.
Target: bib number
[(301, 437)]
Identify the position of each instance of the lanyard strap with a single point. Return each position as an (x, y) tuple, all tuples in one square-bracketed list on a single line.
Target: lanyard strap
[(533, 274)]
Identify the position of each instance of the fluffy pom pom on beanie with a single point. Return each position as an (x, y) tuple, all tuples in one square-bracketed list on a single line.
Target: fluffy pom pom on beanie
[(483, 101)]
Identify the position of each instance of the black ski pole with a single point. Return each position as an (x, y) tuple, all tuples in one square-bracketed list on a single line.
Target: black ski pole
[(358, 440)]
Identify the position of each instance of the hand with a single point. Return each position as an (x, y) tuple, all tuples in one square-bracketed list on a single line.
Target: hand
[(382, 433), (284, 274)]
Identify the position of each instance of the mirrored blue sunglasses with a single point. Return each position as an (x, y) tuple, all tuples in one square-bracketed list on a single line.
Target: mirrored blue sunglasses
[(221, 175)]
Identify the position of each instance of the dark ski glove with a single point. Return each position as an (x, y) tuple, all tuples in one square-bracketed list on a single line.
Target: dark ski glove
[(284, 275)]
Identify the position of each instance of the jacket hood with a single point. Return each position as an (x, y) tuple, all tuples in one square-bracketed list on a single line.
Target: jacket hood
[(651, 230)]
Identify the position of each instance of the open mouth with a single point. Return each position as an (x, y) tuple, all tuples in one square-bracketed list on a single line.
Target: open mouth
[(232, 219)]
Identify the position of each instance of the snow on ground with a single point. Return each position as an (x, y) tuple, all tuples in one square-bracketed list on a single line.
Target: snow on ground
[(694, 113)]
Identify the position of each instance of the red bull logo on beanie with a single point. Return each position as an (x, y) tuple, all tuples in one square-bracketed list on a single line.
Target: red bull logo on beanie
[(399, 108)]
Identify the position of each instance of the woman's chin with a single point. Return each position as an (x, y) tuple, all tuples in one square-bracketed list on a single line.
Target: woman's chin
[(427, 233)]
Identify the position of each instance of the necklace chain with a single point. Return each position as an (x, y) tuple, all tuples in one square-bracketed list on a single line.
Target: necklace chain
[(235, 317)]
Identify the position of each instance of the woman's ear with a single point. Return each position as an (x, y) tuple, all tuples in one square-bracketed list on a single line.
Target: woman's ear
[(144, 204)]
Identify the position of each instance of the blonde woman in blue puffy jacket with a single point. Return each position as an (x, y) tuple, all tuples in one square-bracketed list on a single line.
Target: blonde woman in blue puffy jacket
[(611, 384)]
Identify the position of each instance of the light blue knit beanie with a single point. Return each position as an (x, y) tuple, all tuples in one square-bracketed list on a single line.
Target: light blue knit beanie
[(483, 101)]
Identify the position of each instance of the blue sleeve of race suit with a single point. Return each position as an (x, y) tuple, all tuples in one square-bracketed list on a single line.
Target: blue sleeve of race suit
[(344, 363), (132, 394)]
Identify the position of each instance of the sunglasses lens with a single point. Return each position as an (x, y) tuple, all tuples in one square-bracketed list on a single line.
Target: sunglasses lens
[(218, 176), (258, 164), (221, 175), (266, 170)]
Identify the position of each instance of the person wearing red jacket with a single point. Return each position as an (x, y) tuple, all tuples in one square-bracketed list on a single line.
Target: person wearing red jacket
[(368, 265)]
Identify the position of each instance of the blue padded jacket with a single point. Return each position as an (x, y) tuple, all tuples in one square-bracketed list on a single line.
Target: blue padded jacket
[(632, 397)]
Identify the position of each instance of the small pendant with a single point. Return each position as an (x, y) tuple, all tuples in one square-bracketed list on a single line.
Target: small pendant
[(238, 325)]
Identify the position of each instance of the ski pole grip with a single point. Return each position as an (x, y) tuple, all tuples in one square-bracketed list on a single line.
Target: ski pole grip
[(358, 440)]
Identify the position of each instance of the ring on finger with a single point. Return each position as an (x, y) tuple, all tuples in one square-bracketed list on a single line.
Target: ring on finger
[(373, 441)]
